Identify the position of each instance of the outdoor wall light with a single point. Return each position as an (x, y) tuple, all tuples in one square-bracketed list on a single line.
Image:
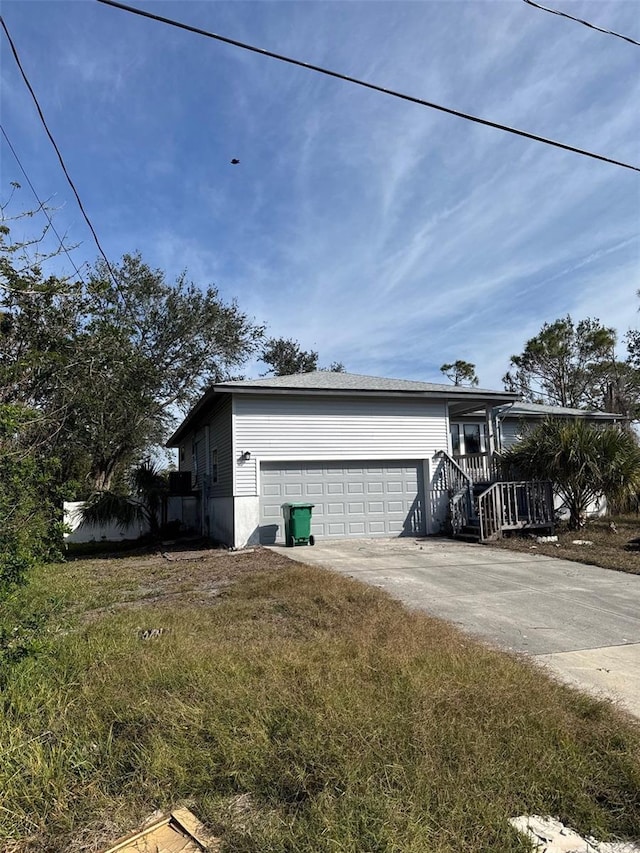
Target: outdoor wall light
[(246, 456)]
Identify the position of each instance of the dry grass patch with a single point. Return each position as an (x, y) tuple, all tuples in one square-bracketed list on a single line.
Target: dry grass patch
[(300, 711), (618, 550)]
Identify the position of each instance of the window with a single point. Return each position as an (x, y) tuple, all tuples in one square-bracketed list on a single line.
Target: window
[(455, 439), (472, 438), (214, 466)]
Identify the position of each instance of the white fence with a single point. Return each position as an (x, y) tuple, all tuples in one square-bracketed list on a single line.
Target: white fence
[(81, 532), (183, 510)]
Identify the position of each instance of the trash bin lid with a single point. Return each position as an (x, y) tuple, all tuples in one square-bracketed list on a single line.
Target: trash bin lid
[(299, 505)]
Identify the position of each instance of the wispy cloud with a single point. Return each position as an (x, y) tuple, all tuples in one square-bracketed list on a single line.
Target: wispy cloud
[(388, 236)]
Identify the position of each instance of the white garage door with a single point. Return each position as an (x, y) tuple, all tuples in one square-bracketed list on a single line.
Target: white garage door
[(373, 498)]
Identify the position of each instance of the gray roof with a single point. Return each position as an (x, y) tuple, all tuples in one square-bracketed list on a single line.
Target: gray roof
[(540, 410), (327, 380)]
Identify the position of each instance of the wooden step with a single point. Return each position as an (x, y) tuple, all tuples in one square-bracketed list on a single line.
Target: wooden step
[(467, 537), (470, 532)]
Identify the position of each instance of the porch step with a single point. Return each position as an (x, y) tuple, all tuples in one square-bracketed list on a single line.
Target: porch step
[(469, 533), (480, 486), (467, 537)]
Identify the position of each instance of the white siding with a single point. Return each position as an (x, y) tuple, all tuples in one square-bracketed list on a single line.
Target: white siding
[(185, 453), (198, 456), (322, 428), (220, 440), (512, 430)]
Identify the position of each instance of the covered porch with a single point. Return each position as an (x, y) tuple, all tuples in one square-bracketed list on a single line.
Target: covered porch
[(483, 505)]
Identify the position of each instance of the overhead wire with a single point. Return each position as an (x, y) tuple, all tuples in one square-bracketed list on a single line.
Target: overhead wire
[(581, 21), (57, 150), (41, 204), (349, 79)]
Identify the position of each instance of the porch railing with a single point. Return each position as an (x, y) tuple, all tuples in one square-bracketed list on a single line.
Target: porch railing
[(459, 487), (480, 467), (514, 505)]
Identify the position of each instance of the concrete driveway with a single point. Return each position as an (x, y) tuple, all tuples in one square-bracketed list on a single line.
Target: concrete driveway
[(581, 621)]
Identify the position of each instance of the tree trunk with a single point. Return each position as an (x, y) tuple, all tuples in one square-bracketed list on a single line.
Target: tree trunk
[(102, 474)]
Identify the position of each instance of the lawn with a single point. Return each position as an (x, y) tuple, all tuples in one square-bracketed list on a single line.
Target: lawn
[(612, 549), (291, 709)]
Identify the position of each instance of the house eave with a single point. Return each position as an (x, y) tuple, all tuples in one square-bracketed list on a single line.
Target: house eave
[(513, 410)]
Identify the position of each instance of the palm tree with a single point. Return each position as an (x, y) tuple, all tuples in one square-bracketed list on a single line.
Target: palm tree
[(148, 487), (583, 460)]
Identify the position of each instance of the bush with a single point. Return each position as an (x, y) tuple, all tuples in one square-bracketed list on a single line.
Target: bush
[(30, 500), (583, 461)]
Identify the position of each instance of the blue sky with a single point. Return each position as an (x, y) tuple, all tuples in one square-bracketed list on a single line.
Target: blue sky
[(385, 235)]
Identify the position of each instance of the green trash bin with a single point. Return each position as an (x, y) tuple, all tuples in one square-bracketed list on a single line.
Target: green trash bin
[(297, 524)]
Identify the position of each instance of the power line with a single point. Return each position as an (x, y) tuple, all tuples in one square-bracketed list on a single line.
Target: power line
[(580, 21), (57, 150), (41, 204), (357, 82)]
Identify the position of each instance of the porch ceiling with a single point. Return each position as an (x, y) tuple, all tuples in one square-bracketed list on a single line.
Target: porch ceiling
[(457, 408)]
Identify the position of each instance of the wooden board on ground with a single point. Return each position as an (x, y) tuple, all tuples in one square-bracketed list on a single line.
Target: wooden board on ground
[(178, 832)]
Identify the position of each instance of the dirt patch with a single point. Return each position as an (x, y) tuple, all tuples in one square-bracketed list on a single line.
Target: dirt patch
[(191, 577), (612, 545)]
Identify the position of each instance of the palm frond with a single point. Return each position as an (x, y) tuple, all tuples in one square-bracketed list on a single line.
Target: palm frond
[(105, 508)]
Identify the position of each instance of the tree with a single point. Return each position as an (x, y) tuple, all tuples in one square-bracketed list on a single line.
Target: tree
[(581, 459), (615, 384), (31, 488), (460, 372), (284, 356), (560, 364), (107, 363)]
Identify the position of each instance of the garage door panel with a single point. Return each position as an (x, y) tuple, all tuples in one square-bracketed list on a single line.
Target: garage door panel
[(272, 511), (379, 498), (271, 489)]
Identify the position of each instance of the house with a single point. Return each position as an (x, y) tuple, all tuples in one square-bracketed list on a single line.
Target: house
[(376, 457)]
